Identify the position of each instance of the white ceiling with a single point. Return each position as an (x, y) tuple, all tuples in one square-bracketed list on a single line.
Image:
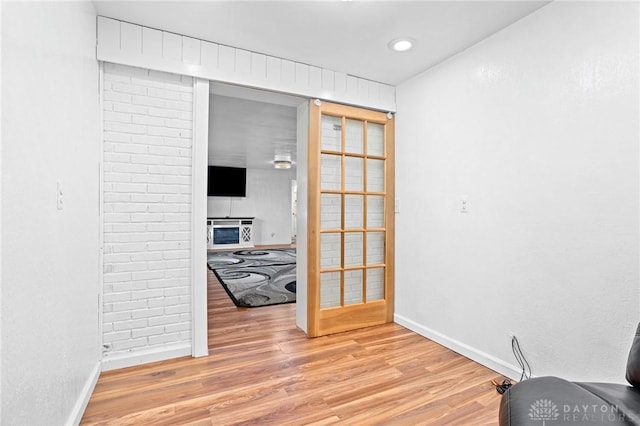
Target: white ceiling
[(248, 128), (345, 36)]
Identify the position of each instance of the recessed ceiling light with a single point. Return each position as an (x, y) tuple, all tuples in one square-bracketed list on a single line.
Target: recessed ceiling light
[(400, 44)]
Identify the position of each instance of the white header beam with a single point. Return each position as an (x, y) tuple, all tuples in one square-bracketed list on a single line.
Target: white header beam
[(129, 44)]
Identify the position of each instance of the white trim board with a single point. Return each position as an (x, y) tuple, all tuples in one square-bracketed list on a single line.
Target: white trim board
[(130, 44), (145, 357), (489, 361), (101, 213), (1, 364), (199, 153), (83, 399)]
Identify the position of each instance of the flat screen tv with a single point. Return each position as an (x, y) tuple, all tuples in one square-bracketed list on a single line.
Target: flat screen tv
[(227, 182)]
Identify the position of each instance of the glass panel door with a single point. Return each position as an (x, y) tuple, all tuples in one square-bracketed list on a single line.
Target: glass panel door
[(353, 186)]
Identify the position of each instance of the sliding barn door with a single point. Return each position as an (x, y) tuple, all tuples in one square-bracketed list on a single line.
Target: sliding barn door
[(351, 218)]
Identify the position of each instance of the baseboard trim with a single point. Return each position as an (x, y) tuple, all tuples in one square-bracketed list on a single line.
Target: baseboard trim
[(85, 395), (144, 357), (489, 361)]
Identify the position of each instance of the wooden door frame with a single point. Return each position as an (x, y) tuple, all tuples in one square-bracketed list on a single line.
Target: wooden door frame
[(199, 325), (316, 109)]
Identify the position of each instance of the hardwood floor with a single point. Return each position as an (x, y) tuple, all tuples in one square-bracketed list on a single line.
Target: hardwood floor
[(261, 369)]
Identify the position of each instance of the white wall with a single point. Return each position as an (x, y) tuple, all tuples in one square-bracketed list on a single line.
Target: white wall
[(50, 122), (148, 132), (1, 211), (538, 126), (268, 200), (301, 215)]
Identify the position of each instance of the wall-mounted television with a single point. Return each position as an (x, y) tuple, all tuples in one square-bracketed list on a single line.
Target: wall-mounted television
[(227, 182)]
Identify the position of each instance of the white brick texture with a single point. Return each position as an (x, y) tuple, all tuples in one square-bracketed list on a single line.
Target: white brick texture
[(148, 129)]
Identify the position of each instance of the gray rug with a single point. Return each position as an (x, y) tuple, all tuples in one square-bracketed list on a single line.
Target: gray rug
[(255, 278)]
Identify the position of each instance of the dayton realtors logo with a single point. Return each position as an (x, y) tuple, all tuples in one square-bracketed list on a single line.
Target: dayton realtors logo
[(543, 410)]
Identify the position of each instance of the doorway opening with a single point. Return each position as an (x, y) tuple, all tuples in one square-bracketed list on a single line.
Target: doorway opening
[(255, 131)]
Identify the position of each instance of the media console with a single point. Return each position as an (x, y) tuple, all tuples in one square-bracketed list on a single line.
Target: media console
[(229, 232)]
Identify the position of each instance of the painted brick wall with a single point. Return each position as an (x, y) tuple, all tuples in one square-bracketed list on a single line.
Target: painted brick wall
[(147, 210)]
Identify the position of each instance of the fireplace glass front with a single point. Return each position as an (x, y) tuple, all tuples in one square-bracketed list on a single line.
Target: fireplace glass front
[(226, 235)]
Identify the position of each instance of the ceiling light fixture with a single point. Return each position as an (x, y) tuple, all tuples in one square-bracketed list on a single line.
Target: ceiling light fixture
[(282, 164), (282, 161), (401, 44)]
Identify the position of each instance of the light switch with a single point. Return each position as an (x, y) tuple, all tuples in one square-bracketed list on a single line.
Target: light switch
[(397, 206), (59, 195)]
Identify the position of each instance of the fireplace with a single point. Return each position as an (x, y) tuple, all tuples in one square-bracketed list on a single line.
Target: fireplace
[(226, 235), (229, 232)]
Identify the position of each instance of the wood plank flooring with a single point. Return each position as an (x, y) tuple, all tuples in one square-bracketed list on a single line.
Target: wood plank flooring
[(261, 369)]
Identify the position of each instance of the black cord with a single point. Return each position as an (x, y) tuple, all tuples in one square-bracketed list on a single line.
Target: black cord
[(522, 362), (518, 357)]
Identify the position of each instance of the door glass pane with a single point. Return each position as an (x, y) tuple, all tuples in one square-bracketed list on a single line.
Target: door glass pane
[(375, 248), (353, 248), (375, 284), (331, 133), (375, 211), (330, 172), (354, 172), (330, 251), (352, 287), (330, 211), (354, 211), (329, 289), (375, 139), (375, 175), (354, 137)]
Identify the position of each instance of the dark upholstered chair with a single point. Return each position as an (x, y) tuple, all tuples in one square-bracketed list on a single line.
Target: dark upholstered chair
[(552, 401)]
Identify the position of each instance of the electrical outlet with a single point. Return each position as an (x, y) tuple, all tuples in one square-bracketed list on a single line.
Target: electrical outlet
[(512, 335)]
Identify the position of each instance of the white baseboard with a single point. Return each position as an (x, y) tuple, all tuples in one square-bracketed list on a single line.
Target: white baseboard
[(489, 361), (144, 357), (83, 398)]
